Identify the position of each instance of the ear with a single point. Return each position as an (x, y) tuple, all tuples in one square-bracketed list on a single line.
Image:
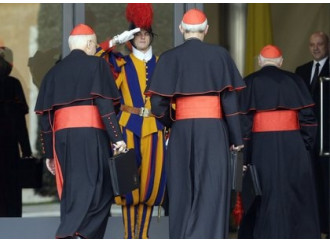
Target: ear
[(259, 61), (89, 43), (206, 29), (181, 29), (281, 62)]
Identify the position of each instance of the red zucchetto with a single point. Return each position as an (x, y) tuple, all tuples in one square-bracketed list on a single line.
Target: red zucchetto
[(82, 29), (194, 16), (271, 51)]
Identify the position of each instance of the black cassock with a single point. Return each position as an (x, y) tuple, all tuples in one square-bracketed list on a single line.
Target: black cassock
[(321, 163), (81, 80), (198, 152), (13, 133), (288, 207)]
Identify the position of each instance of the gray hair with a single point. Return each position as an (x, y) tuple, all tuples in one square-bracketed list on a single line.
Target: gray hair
[(80, 41), (270, 61), (194, 27)]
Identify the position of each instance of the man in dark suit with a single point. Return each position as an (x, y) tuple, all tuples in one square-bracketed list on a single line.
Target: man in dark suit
[(311, 72)]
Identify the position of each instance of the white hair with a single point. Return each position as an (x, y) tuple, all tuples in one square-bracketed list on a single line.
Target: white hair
[(194, 27), (80, 41), (270, 61)]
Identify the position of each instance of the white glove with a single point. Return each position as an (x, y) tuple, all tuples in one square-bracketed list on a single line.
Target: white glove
[(119, 147), (50, 165), (123, 37)]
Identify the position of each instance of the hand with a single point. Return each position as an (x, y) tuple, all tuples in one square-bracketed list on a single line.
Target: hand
[(123, 37), (244, 168), (119, 147), (236, 148), (50, 164)]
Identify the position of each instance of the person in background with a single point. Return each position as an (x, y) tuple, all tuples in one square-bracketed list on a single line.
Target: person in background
[(279, 129), (78, 122), (311, 72), (201, 81), (141, 130), (13, 136)]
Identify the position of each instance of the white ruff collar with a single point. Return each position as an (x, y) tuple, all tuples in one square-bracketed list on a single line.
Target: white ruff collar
[(142, 56)]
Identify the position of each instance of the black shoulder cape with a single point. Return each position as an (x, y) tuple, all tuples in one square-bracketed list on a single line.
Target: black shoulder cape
[(194, 68), (77, 77), (272, 88)]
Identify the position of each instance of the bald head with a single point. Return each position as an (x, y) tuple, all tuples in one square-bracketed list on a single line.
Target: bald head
[(319, 45)]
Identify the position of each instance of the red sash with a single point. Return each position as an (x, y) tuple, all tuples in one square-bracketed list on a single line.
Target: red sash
[(73, 117), (191, 107), (279, 120), (78, 117)]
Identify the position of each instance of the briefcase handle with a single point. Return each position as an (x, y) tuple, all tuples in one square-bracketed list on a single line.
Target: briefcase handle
[(322, 152)]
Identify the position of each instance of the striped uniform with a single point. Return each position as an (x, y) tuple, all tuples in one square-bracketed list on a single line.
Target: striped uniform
[(145, 135)]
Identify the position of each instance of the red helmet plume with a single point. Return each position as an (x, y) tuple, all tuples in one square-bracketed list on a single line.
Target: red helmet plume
[(140, 14)]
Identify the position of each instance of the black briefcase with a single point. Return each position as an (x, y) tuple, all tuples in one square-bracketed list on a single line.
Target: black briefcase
[(236, 170), (251, 188), (30, 172), (124, 173)]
